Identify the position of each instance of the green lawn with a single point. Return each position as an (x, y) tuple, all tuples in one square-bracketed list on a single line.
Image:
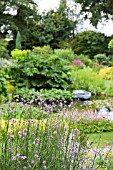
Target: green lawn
[(105, 138)]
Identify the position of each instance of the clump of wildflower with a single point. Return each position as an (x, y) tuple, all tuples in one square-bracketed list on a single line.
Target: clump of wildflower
[(77, 62)]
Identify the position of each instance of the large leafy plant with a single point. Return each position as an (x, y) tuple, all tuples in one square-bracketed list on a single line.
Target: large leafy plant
[(46, 72)]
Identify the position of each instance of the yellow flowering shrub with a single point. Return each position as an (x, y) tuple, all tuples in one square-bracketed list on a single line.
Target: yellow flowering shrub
[(106, 72)]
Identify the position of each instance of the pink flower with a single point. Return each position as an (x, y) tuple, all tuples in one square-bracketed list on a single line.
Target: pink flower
[(44, 167), (77, 62), (55, 132), (14, 158)]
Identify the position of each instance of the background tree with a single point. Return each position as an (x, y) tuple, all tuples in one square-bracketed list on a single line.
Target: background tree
[(23, 19), (53, 29), (90, 43), (56, 28), (96, 10)]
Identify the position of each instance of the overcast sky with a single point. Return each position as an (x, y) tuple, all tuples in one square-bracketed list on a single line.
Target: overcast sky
[(107, 28)]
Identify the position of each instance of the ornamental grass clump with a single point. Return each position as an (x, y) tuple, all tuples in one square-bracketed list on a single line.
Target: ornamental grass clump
[(49, 143), (32, 144)]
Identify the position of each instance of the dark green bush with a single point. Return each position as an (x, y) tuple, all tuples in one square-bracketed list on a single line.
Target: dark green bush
[(90, 43)]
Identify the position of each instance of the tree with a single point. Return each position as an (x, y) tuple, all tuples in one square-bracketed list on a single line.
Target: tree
[(56, 27), (96, 10), (23, 20), (53, 29), (90, 43), (18, 41)]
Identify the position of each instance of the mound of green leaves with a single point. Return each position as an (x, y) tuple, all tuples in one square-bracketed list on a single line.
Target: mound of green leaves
[(49, 72), (95, 126), (46, 95)]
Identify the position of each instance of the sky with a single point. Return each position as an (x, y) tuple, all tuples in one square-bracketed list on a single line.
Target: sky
[(106, 27)]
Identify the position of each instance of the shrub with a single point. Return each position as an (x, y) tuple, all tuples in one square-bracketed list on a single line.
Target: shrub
[(3, 49), (106, 72), (4, 63), (95, 126), (8, 77), (19, 55), (67, 54), (44, 51), (90, 43), (102, 59), (87, 79), (6, 82), (18, 41), (110, 44), (85, 59), (109, 87), (77, 62), (49, 72)]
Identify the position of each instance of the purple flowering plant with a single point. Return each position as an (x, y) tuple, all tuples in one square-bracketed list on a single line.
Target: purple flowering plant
[(53, 142)]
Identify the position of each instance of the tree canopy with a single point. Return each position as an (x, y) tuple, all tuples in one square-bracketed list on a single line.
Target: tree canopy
[(96, 10), (90, 43), (21, 20), (36, 29)]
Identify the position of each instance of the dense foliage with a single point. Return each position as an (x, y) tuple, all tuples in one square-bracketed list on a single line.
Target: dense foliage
[(87, 79), (90, 43), (3, 49), (49, 96), (46, 72)]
